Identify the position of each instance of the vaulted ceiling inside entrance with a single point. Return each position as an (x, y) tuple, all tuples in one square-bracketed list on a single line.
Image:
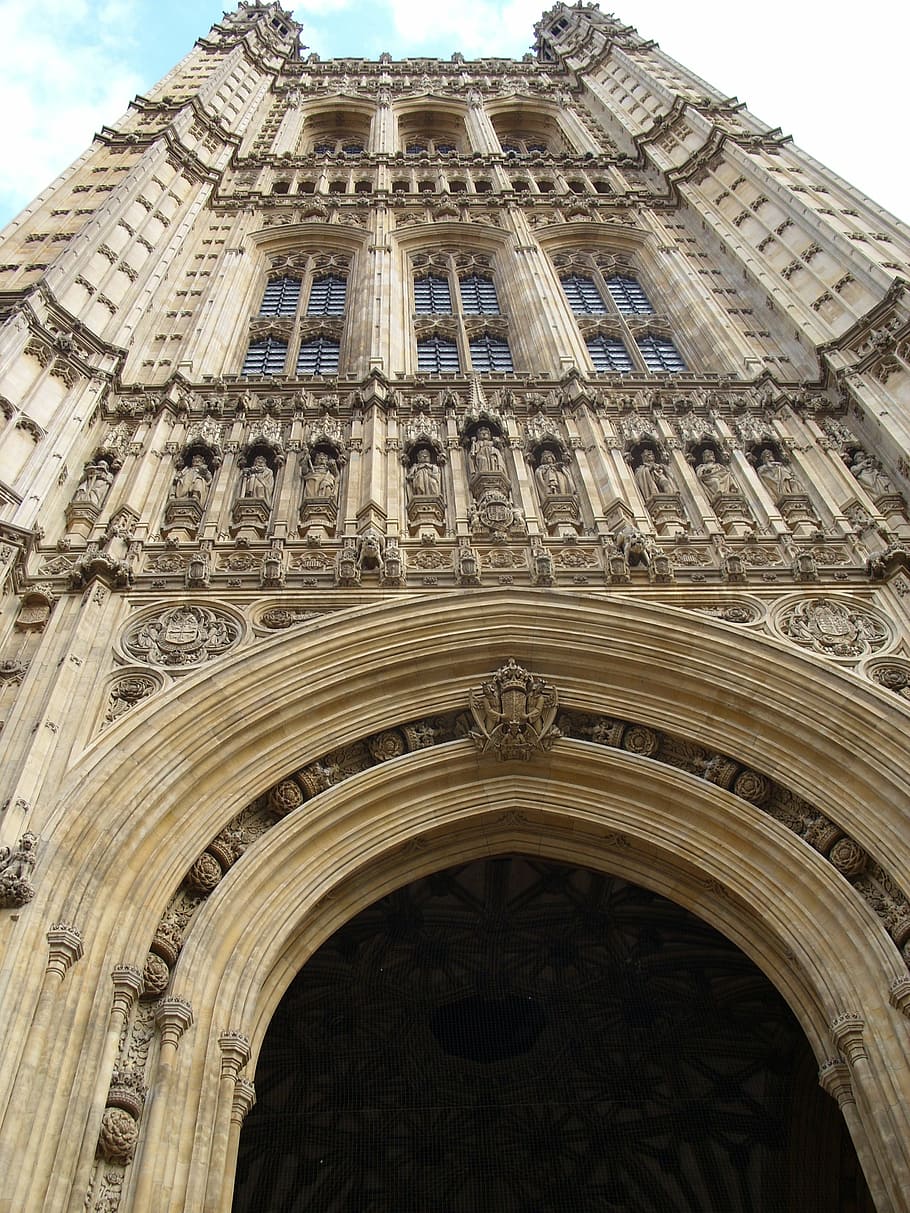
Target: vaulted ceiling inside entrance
[(516, 1036)]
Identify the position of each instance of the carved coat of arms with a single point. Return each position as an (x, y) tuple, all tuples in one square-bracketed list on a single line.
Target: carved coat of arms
[(513, 713)]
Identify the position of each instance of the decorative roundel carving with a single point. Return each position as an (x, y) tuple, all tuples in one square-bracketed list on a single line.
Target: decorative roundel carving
[(285, 797), (848, 857), (640, 740), (384, 746), (205, 873), (752, 786), (182, 637), (155, 976), (832, 626), (893, 675), (118, 1136)]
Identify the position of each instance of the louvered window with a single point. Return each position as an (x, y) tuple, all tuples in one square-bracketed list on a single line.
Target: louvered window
[(661, 355), (281, 297), (318, 356), (353, 149), (490, 353), (609, 355), (416, 149), (437, 356), (432, 296), (324, 149), (478, 296), (266, 357), (327, 296), (583, 295), (629, 297)]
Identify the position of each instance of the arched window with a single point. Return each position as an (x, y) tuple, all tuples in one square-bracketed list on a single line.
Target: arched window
[(661, 355), (583, 295), (327, 296), (489, 353), (432, 295), (437, 356), (629, 296), (281, 297), (318, 356), (478, 296), (609, 355), (266, 357)]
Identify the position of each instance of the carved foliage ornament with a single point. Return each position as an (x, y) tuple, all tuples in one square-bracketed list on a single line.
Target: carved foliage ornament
[(182, 636), (514, 713)]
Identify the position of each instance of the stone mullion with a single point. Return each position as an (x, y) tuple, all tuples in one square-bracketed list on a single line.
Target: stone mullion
[(527, 497), (138, 479), (370, 498), (762, 505), (244, 1099), (223, 490), (354, 479), (576, 133), (461, 496), (579, 448), (834, 1078), (288, 496), (684, 474), (382, 134), (481, 132), (288, 132), (377, 339), (393, 477)]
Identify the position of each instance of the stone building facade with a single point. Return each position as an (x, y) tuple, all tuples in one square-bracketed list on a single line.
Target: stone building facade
[(405, 463)]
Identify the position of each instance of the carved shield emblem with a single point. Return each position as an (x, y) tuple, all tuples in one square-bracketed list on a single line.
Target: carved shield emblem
[(514, 713)]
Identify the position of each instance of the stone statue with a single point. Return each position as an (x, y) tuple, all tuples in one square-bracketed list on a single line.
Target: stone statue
[(423, 477), (777, 477), (714, 477), (552, 477), (97, 479), (192, 482), (258, 481), (653, 477), (16, 867), (485, 454), (320, 477), (867, 472)]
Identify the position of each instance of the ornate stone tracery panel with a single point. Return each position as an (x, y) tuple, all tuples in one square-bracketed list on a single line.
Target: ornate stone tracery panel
[(182, 637)]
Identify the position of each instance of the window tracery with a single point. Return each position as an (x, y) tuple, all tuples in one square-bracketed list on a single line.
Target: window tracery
[(312, 333), (458, 322)]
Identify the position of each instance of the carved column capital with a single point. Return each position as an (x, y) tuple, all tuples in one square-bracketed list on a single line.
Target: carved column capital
[(847, 1034), (173, 1016), (127, 981), (235, 1053), (65, 948), (243, 1101), (899, 995), (834, 1079)]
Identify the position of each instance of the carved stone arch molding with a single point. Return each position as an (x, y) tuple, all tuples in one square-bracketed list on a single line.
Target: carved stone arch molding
[(155, 788)]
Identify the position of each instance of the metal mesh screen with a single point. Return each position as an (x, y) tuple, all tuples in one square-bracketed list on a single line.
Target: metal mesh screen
[(519, 1037)]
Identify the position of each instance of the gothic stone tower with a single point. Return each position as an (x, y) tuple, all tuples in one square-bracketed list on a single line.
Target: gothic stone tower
[(409, 464)]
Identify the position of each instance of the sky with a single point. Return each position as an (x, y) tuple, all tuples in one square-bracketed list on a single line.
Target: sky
[(833, 77)]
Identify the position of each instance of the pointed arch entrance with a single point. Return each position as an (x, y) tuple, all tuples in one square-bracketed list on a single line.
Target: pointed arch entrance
[(514, 1035)]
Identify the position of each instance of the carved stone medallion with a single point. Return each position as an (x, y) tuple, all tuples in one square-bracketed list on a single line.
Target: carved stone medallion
[(182, 636), (514, 713), (834, 627)]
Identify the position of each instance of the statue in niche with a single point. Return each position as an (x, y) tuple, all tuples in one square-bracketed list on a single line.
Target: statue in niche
[(258, 480), (95, 484), (777, 477), (320, 476), (552, 477), (653, 477), (423, 477), (867, 472), (715, 478), (191, 482), (485, 455)]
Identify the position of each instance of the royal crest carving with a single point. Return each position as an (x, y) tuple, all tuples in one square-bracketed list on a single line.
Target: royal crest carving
[(182, 637), (514, 713), (834, 627)]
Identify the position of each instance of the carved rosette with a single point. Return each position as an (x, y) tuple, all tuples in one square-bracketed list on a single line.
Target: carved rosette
[(514, 713), (118, 1137), (182, 637)]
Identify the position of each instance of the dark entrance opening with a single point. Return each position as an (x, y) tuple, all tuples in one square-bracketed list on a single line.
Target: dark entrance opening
[(518, 1036)]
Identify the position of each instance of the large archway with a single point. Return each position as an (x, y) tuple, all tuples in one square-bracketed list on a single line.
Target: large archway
[(513, 1035)]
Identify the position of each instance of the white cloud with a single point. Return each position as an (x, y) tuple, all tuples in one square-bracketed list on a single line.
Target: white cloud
[(65, 78)]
